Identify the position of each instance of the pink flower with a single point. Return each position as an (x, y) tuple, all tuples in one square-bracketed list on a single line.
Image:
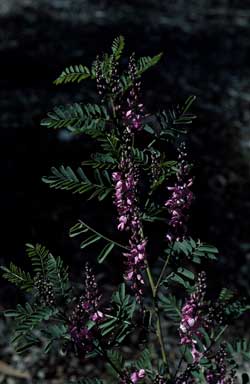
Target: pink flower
[(98, 315), (137, 375)]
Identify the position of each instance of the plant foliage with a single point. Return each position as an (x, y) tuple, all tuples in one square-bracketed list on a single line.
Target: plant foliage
[(159, 297)]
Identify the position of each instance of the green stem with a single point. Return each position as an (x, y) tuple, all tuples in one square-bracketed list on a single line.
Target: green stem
[(158, 321), (160, 338), (162, 272), (214, 340), (113, 107), (151, 281), (104, 237), (220, 333)]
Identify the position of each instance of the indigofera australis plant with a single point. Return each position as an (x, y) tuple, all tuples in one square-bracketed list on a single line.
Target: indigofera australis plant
[(158, 298)]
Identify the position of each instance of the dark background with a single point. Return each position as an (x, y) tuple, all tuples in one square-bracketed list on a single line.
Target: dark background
[(206, 53)]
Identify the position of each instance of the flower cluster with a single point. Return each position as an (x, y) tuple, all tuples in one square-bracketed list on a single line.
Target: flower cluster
[(134, 111), (126, 188), (45, 290), (155, 166), (101, 82), (219, 373), (125, 194), (192, 317), (180, 200), (186, 377), (129, 220), (88, 308)]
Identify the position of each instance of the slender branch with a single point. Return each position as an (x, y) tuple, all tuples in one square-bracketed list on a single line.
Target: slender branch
[(104, 237), (163, 271), (214, 340), (220, 333), (151, 281), (158, 321), (113, 107), (160, 337)]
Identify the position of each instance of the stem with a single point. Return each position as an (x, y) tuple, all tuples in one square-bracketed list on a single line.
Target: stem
[(113, 107), (104, 237), (214, 340), (151, 281), (160, 337), (158, 321), (220, 333), (162, 271)]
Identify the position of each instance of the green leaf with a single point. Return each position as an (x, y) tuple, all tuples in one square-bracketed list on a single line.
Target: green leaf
[(144, 361), (185, 272), (93, 236), (66, 179), (54, 332), (146, 62), (28, 318), (74, 73), (241, 348), (39, 256), (206, 337), (171, 306), (119, 322), (226, 295), (178, 279), (143, 64), (173, 121), (195, 250), (117, 47), (101, 160), (105, 252), (16, 276), (58, 274), (90, 240), (117, 360), (78, 118)]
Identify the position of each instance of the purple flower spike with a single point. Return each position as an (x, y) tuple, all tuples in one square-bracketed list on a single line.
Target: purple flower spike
[(134, 114), (219, 373), (125, 200), (192, 318), (180, 200), (88, 308)]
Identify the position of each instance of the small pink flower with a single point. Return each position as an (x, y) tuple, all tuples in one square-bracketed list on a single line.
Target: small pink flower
[(137, 375), (196, 354), (97, 316), (116, 176), (130, 275)]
